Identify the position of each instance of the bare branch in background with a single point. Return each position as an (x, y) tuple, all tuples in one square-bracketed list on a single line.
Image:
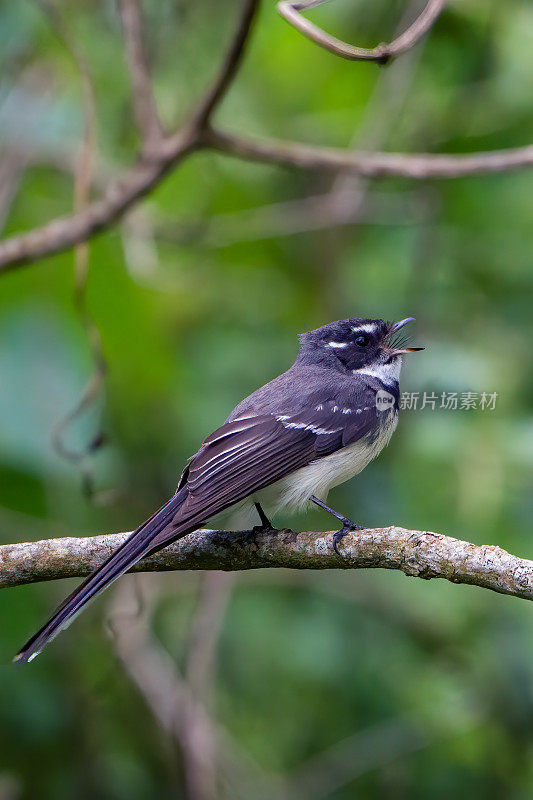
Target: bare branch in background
[(229, 68), (186, 719), (83, 168), (363, 751), (289, 217), (348, 201), (200, 669), (176, 708), (420, 554), (350, 193), (34, 83), (215, 592), (12, 167), (419, 166), (382, 53), (168, 696), (65, 232), (144, 104)]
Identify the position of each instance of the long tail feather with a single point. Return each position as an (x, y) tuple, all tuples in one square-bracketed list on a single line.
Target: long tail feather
[(142, 541)]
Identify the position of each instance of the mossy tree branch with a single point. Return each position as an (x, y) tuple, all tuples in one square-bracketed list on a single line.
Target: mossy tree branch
[(416, 553)]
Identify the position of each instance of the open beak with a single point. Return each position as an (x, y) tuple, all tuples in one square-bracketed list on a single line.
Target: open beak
[(400, 350), (395, 328)]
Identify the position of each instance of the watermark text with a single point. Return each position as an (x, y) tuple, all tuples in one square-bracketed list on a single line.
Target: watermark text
[(448, 401)]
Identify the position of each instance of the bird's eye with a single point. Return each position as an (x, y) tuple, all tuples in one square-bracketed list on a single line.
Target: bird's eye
[(362, 339)]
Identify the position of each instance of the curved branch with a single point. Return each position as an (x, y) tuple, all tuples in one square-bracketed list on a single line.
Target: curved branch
[(161, 153), (416, 553), (144, 104), (65, 232), (369, 163), (230, 66), (99, 215), (382, 53)]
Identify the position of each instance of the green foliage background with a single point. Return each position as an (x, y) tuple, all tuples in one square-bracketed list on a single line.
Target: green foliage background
[(422, 690)]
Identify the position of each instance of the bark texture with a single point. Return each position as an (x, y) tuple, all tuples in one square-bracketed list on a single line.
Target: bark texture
[(420, 554)]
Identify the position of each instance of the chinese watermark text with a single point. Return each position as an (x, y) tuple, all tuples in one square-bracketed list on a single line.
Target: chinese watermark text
[(449, 401)]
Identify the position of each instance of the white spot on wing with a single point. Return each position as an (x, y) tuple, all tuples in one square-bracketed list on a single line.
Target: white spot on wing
[(321, 475), (308, 426)]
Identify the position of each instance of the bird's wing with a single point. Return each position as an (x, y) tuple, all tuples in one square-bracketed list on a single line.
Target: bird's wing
[(254, 451), (244, 455)]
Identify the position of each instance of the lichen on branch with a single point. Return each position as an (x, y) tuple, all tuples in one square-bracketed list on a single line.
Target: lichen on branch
[(421, 554)]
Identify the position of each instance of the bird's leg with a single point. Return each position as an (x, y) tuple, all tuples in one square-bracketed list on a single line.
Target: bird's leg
[(347, 524), (266, 525)]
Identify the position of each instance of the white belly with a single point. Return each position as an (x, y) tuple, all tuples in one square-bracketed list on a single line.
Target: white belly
[(317, 478)]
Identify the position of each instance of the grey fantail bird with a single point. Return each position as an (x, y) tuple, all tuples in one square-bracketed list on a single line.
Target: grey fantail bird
[(285, 445)]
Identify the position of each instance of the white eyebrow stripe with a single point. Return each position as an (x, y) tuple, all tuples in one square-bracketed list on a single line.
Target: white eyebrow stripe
[(337, 344), (368, 327)]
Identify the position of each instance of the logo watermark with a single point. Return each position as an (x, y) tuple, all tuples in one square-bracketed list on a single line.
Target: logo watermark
[(384, 400)]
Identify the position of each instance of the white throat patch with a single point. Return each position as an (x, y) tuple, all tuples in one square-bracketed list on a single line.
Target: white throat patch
[(386, 373)]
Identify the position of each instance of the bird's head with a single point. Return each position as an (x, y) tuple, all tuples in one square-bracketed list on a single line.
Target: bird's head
[(369, 346)]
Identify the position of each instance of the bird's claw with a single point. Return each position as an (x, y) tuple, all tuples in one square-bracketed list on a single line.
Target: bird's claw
[(266, 528), (266, 525), (348, 527)]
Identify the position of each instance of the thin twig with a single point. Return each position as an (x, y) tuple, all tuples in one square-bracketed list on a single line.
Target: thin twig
[(229, 68), (285, 218), (168, 696), (83, 168), (346, 203), (200, 675), (419, 166), (144, 104), (372, 748), (382, 53), (420, 554), (180, 714), (215, 592), (12, 167), (65, 232)]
